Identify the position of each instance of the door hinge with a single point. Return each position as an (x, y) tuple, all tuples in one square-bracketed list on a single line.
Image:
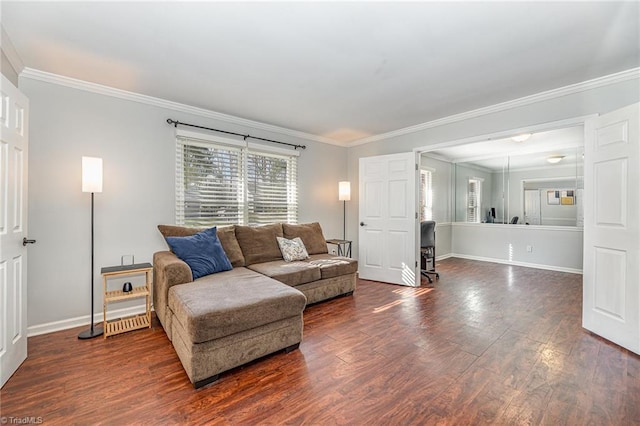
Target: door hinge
[(416, 215), (416, 263), (416, 166)]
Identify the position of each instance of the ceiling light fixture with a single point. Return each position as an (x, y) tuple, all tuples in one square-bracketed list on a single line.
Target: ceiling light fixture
[(521, 138), (555, 159)]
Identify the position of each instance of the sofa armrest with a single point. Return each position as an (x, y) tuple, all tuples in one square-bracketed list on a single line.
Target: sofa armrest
[(168, 270)]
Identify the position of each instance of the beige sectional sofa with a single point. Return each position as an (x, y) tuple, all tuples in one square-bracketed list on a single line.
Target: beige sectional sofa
[(224, 320)]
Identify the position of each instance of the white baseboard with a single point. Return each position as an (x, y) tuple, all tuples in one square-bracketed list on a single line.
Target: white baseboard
[(443, 257), (525, 264), (50, 327)]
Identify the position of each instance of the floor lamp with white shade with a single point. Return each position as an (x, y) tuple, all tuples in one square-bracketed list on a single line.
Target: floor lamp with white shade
[(91, 182), (344, 195)]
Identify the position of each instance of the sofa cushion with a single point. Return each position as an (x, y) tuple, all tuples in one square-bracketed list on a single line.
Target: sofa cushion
[(290, 273), (230, 302), (226, 235), (292, 249), (258, 243), (202, 252), (333, 266), (309, 233), (178, 231)]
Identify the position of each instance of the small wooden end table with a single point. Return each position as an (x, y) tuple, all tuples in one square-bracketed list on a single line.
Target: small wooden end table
[(122, 325)]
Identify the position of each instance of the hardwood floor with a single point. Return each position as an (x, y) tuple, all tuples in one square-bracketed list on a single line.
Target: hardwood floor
[(488, 343)]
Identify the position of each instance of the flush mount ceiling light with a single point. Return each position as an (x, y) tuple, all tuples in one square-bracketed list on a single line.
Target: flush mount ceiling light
[(555, 159), (521, 138)]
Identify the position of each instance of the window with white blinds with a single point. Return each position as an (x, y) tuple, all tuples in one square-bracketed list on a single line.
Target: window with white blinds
[(272, 194), (219, 184), (426, 195), (474, 199)]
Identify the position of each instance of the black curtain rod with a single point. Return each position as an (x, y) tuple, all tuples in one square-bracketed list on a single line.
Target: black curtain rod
[(176, 123)]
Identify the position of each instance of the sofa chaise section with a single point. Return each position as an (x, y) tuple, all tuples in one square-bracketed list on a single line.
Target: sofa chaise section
[(225, 320)]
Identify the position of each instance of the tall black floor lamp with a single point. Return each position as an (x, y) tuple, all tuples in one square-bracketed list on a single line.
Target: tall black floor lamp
[(91, 182), (344, 195)]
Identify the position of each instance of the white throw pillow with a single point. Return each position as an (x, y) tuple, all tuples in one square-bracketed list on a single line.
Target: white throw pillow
[(292, 249)]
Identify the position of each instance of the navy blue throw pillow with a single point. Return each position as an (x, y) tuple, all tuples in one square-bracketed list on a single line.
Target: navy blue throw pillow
[(202, 252)]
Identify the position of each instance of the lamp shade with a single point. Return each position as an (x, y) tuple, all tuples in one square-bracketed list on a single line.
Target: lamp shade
[(91, 174), (344, 191)]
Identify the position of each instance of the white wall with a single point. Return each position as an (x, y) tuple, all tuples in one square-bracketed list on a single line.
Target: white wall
[(552, 247), (589, 101), (443, 239), (7, 69), (138, 149)]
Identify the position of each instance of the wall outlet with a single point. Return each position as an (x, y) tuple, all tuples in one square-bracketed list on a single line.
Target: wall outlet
[(529, 249), (333, 251)]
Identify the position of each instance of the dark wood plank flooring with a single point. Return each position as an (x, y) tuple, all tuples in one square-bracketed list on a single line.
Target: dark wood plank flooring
[(488, 343)]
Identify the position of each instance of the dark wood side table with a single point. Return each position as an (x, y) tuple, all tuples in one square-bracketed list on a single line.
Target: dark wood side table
[(344, 246)]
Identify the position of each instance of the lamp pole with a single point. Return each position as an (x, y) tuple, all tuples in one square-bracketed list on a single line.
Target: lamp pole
[(91, 182), (344, 219)]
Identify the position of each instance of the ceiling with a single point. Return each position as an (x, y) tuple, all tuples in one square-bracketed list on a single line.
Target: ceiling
[(339, 70), (533, 153)]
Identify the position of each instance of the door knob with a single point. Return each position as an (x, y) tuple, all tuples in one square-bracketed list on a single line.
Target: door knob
[(25, 241), (363, 224)]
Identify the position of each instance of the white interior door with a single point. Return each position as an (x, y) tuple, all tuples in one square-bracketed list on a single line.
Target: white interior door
[(14, 120), (611, 281), (387, 236), (531, 206)]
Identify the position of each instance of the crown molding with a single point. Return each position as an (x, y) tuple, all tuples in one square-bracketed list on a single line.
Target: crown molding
[(100, 89), (10, 51), (437, 157), (44, 76), (619, 77)]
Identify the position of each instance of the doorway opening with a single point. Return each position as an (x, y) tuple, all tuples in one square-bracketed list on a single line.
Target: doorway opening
[(506, 168)]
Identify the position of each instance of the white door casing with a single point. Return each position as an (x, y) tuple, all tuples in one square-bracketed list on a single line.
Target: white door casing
[(387, 206), (14, 124), (611, 280)]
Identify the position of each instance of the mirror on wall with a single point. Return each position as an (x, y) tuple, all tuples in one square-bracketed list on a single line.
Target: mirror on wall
[(538, 181), (479, 190)]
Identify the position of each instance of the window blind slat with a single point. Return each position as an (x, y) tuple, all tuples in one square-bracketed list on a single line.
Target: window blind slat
[(219, 184)]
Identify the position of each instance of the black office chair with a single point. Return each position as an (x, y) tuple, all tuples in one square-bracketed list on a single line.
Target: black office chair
[(514, 220), (428, 249)]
